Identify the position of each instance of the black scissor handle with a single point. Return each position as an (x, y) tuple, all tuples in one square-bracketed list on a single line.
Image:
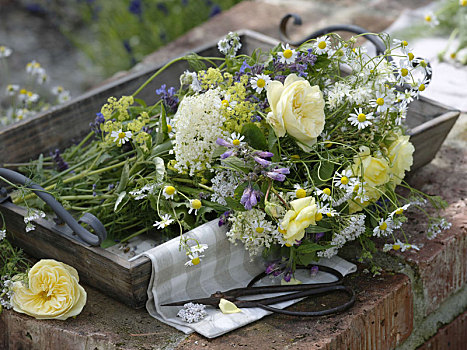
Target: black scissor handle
[(89, 219)]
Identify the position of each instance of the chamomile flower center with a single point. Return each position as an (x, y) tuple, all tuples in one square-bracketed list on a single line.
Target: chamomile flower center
[(428, 18), (195, 261), (196, 204), (399, 211), (344, 180), (300, 193), (327, 191), (453, 55), (411, 56), (404, 43), (287, 54), (236, 142), (423, 63), (463, 3), (259, 229), (318, 217), (421, 87), (322, 45), (329, 214), (261, 83), (361, 117), (225, 103), (23, 91), (169, 127), (169, 190), (404, 72), (383, 226), (121, 135), (380, 101), (396, 246)]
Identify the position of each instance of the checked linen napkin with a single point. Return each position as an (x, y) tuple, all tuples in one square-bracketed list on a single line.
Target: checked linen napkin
[(225, 266)]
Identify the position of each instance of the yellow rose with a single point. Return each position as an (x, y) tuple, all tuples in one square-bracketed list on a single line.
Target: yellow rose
[(375, 169), (53, 292), (296, 108), (401, 157), (298, 219)]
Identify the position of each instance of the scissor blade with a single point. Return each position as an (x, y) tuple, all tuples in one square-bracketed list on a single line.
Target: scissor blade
[(204, 301)]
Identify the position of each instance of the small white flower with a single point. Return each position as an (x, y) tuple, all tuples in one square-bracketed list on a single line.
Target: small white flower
[(236, 139), (402, 43), (33, 68), (431, 19), (382, 102), (400, 210), (403, 72), (343, 179), (192, 312), (194, 259), (228, 103), (288, 55), (195, 204), (2, 234), (168, 192), (57, 90), (420, 86), (322, 45), (64, 96), (166, 220), (41, 75), (5, 51), (324, 194), (120, 137), (260, 82), (199, 248), (360, 119), (30, 227), (12, 89), (384, 228)]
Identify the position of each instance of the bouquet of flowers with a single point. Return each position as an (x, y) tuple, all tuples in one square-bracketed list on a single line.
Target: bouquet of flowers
[(298, 151)]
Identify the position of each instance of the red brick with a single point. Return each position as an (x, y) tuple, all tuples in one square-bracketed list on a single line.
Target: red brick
[(452, 336)]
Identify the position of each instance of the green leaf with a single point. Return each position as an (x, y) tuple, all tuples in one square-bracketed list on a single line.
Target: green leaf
[(120, 202), (317, 229), (162, 134), (140, 102), (322, 172), (123, 178), (237, 164), (161, 148), (234, 205), (272, 139), (307, 259), (218, 151), (254, 136), (108, 242)]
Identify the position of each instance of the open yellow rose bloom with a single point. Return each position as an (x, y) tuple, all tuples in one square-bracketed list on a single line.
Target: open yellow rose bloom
[(53, 292)]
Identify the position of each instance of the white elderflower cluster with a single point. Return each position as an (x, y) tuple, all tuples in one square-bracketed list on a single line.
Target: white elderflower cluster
[(5, 292), (437, 227), (33, 214), (230, 44), (224, 185), (354, 227), (251, 228), (199, 123), (192, 312)]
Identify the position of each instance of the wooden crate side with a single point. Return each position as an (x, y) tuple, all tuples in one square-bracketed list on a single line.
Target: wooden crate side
[(97, 267), (140, 272)]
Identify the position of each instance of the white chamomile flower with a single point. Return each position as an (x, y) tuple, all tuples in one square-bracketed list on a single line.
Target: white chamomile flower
[(326, 210), (300, 192), (431, 19), (398, 245), (360, 119), (401, 43), (324, 194), (400, 210), (322, 45), (382, 102), (420, 86), (236, 139), (360, 192), (288, 55), (403, 72), (260, 82), (166, 220), (195, 204), (33, 67), (42, 76), (228, 102), (199, 248), (194, 258), (64, 97), (5, 51), (2, 234), (168, 192), (57, 90), (406, 97), (384, 228), (343, 179), (12, 89), (120, 137)]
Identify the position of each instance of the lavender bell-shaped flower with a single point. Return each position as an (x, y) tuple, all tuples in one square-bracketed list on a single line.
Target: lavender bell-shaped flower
[(250, 197), (278, 174)]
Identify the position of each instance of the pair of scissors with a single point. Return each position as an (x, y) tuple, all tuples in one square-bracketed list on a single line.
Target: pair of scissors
[(294, 292)]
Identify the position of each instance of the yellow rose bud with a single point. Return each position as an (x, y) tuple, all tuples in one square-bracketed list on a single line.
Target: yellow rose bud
[(297, 219)]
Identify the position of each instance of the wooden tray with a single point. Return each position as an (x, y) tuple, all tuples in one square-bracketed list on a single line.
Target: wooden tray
[(110, 270)]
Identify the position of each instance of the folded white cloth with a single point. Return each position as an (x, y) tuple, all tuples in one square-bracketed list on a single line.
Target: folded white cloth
[(225, 266)]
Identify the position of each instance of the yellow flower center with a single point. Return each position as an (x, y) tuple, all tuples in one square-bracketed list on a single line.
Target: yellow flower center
[(288, 245), (259, 229), (29, 93), (2, 49), (225, 103), (281, 230), (405, 43), (383, 226), (396, 246), (380, 101), (453, 55), (260, 83), (236, 142), (344, 180), (121, 135), (421, 87), (361, 117), (195, 261), (300, 193), (428, 18), (423, 63), (329, 214), (170, 190), (318, 217), (327, 144), (399, 211), (404, 72), (411, 56), (20, 117), (287, 53), (327, 191), (169, 127), (23, 91), (463, 3), (322, 45), (196, 204)]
